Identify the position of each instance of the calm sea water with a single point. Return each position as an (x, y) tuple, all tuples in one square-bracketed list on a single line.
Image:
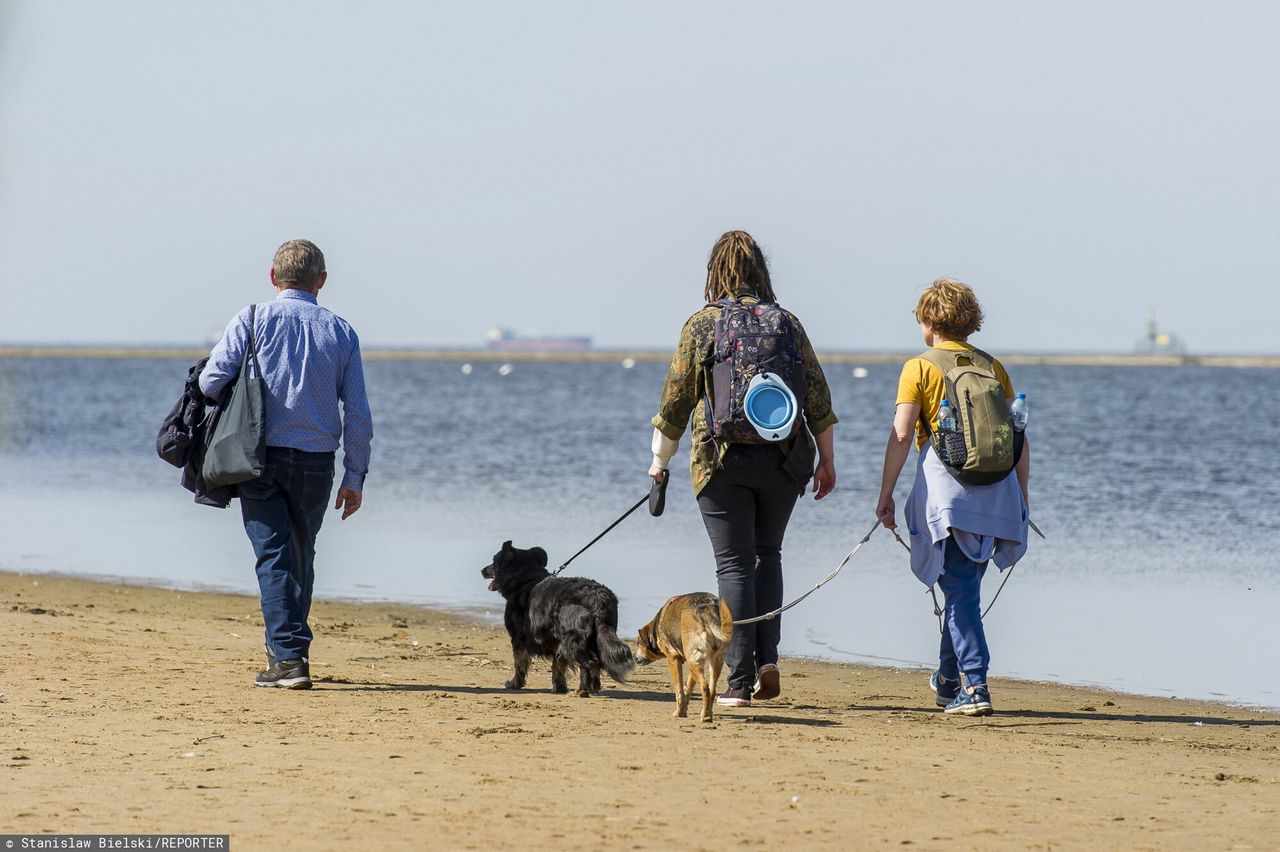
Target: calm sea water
[(1156, 488)]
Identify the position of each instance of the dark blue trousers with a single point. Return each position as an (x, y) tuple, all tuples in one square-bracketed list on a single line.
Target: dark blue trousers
[(964, 642), (282, 511)]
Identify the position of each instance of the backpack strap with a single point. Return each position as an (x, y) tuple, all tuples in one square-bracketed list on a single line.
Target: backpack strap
[(946, 361), (735, 301), (982, 359)]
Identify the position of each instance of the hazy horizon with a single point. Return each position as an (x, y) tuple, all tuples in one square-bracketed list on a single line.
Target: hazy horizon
[(563, 169)]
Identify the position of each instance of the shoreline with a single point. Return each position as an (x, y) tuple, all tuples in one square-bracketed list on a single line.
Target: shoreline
[(491, 616), (130, 708), (463, 355)]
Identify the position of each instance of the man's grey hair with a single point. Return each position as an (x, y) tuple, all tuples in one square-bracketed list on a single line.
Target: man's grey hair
[(298, 263)]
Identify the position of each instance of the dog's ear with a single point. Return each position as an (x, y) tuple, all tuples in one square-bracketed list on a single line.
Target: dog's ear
[(539, 555), (645, 640)]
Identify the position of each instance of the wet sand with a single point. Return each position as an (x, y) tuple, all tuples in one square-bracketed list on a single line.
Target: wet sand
[(129, 709)]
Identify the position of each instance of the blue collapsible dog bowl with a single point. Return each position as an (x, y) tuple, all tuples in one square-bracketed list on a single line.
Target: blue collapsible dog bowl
[(770, 406)]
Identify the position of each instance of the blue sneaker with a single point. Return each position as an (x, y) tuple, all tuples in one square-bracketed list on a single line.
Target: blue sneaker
[(945, 688), (972, 701)]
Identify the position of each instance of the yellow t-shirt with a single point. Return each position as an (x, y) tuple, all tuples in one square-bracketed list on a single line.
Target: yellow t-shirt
[(923, 384)]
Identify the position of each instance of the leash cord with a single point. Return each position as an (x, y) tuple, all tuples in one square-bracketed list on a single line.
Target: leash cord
[(937, 610), (1007, 575), (777, 612), (607, 530)]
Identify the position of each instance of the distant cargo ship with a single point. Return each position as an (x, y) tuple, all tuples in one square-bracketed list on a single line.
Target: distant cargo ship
[(506, 340)]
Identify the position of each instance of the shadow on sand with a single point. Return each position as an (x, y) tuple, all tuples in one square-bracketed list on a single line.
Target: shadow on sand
[(343, 685), (744, 716), (1028, 718), (1064, 717)]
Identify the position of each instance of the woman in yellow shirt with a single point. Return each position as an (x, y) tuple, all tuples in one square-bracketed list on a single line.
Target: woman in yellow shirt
[(955, 528)]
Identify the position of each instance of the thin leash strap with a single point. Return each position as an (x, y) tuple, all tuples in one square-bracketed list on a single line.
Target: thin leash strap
[(819, 585), (607, 530), (937, 610), (1007, 575)]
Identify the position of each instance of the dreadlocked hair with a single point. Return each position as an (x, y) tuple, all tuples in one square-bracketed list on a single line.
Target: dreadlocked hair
[(737, 268)]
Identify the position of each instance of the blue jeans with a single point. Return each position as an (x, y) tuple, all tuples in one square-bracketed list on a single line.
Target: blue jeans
[(282, 511), (745, 508), (964, 643)]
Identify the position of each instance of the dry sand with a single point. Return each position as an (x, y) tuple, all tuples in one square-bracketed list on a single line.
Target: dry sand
[(131, 709)]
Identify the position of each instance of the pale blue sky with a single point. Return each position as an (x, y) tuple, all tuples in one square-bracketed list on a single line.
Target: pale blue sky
[(564, 167)]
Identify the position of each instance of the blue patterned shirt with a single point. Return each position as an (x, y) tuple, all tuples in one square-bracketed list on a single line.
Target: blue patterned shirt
[(310, 360)]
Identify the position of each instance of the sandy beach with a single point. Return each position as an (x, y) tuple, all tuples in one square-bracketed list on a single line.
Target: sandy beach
[(131, 709)]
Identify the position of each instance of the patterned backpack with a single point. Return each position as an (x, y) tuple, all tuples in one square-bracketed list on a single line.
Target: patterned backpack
[(749, 339)]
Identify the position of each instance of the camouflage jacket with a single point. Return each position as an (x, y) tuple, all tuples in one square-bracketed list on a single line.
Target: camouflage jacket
[(685, 390)]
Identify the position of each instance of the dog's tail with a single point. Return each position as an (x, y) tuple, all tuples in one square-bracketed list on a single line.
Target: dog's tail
[(720, 624), (714, 616), (615, 655)]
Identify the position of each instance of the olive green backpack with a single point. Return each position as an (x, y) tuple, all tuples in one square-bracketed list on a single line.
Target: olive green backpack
[(987, 447)]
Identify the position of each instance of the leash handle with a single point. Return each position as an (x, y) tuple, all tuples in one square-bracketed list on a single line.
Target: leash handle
[(658, 494), (607, 530)]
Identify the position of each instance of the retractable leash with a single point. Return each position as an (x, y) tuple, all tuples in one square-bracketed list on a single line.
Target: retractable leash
[(657, 500), (780, 610), (937, 610)]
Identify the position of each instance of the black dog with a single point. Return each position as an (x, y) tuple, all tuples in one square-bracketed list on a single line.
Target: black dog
[(571, 620)]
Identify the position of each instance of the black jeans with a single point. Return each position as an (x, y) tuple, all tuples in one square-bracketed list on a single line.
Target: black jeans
[(746, 507)]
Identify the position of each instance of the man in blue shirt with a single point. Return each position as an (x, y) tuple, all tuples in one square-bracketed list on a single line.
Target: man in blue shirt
[(310, 361)]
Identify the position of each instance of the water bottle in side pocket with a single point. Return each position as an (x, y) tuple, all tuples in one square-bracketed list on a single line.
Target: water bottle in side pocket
[(1020, 411), (950, 445)]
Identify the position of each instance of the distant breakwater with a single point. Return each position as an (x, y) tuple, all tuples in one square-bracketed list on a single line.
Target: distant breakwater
[(190, 353)]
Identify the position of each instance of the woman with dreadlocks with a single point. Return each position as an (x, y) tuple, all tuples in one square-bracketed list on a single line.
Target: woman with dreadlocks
[(746, 484)]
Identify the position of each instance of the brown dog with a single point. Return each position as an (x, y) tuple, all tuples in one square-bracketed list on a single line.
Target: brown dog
[(693, 629)]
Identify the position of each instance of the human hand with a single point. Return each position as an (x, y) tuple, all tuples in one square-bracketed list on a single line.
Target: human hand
[(885, 510), (824, 479), (348, 501), (657, 473)]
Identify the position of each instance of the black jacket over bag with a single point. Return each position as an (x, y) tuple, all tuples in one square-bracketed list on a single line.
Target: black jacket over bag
[(184, 436)]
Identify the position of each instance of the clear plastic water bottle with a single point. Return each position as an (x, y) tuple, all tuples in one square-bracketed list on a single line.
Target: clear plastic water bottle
[(946, 420), (1020, 412)]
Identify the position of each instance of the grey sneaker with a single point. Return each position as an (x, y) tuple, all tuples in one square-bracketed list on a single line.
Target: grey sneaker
[(290, 674)]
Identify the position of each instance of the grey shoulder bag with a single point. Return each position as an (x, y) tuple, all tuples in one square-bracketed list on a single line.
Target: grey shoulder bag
[(237, 446)]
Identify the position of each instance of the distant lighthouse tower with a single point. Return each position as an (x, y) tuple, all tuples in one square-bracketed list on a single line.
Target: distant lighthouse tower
[(1159, 342)]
